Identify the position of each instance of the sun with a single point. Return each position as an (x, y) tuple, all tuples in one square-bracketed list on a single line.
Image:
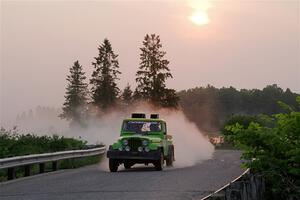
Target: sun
[(199, 18), (199, 15)]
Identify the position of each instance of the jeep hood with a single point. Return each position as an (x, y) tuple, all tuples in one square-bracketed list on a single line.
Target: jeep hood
[(152, 139)]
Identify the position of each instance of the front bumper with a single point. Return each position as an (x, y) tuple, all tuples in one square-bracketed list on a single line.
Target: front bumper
[(116, 154)]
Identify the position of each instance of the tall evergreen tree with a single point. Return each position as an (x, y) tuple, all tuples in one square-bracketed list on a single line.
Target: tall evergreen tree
[(76, 95), (127, 95), (104, 88), (153, 73)]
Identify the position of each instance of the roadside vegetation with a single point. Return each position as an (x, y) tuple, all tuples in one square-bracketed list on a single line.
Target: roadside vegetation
[(271, 146), (14, 144)]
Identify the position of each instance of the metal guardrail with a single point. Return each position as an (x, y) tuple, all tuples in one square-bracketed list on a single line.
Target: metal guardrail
[(41, 159), (225, 186)]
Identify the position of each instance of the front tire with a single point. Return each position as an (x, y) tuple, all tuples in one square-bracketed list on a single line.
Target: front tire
[(170, 158), (113, 165), (159, 164)]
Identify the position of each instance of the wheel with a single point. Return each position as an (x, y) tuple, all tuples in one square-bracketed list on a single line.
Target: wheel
[(159, 163), (170, 158), (113, 165), (127, 165)]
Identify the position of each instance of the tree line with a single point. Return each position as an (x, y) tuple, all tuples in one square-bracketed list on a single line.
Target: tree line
[(104, 92), (209, 107)]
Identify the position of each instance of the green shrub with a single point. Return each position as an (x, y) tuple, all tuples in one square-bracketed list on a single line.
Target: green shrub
[(14, 144), (243, 120), (272, 147)]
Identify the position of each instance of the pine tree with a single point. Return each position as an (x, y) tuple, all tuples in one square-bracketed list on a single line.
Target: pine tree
[(127, 95), (153, 73), (76, 95), (104, 88)]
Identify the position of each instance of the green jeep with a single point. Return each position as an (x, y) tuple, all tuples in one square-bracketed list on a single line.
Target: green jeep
[(142, 141)]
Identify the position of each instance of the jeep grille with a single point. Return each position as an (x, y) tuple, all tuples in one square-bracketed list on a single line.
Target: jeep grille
[(134, 144)]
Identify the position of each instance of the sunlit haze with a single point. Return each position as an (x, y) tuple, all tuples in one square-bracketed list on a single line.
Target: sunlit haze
[(240, 43), (199, 18), (200, 9)]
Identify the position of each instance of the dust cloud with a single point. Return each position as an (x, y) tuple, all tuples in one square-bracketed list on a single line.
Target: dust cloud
[(191, 146)]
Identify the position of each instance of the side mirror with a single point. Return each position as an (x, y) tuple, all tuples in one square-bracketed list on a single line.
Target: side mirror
[(169, 137)]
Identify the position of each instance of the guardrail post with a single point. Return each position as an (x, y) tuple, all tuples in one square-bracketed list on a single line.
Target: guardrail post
[(73, 163), (54, 165), (11, 173), (42, 167), (27, 170)]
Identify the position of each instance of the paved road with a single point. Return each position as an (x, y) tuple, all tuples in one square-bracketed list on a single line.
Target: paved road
[(137, 183)]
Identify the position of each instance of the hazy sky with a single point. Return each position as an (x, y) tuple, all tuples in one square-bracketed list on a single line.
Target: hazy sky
[(244, 43)]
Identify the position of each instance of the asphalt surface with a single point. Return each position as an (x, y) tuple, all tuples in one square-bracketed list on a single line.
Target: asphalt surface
[(137, 183)]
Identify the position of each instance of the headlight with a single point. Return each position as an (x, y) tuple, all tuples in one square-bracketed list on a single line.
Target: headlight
[(120, 149), (140, 149), (125, 142), (145, 142), (127, 148), (147, 149)]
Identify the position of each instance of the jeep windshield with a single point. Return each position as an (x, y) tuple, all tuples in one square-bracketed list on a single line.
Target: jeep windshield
[(141, 127)]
